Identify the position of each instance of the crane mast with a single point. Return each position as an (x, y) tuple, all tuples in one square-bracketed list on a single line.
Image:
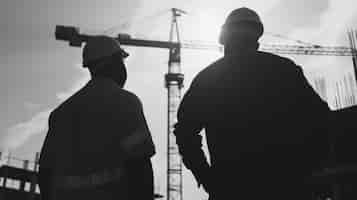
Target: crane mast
[(174, 82)]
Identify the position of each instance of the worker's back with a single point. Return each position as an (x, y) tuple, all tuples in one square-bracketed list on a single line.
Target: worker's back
[(262, 120), (85, 135)]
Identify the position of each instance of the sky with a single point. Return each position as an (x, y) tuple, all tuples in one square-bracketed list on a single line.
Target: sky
[(38, 72)]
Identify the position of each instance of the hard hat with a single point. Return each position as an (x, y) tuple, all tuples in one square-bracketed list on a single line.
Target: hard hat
[(242, 15), (101, 47), (238, 17)]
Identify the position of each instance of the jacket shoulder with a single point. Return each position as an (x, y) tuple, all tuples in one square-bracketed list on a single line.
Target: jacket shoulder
[(69, 102), (276, 58), (280, 64), (209, 73), (272, 63), (130, 96)]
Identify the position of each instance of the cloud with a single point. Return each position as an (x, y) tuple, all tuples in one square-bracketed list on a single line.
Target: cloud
[(288, 15), (30, 106), (19, 133), (62, 96)]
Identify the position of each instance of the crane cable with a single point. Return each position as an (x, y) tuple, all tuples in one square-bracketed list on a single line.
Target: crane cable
[(291, 39)]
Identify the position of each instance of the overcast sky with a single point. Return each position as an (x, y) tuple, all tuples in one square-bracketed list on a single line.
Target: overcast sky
[(38, 72)]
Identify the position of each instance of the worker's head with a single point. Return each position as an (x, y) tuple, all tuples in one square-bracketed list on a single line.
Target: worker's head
[(103, 56), (242, 24)]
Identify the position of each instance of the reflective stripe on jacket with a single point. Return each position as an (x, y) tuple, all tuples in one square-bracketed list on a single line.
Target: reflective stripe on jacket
[(88, 181)]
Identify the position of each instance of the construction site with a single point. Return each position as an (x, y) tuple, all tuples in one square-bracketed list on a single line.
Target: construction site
[(18, 177)]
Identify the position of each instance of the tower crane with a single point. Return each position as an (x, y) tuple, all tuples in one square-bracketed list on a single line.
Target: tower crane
[(174, 78)]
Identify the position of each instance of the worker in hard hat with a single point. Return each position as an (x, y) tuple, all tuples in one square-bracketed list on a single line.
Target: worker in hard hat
[(98, 145), (262, 120)]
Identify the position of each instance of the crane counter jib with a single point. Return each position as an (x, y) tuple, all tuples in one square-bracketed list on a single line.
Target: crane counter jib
[(72, 35)]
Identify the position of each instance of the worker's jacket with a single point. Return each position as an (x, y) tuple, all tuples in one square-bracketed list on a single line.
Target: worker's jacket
[(91, 136), (261, 118)]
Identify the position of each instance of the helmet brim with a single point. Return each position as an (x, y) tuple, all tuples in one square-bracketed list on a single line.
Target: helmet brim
[(121, 54)]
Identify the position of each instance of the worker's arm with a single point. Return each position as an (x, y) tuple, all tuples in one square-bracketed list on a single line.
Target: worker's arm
[(138, 144), (314, 114), (187, 130)]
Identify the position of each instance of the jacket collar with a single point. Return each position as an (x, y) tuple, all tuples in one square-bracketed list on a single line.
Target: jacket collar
[(101, 79), (240, 48)]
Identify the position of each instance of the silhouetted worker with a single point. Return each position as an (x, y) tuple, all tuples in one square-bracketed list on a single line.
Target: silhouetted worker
[(263, 121), (98, 145)]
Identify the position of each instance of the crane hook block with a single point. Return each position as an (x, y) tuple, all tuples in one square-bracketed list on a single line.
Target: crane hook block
[(174, 78)]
